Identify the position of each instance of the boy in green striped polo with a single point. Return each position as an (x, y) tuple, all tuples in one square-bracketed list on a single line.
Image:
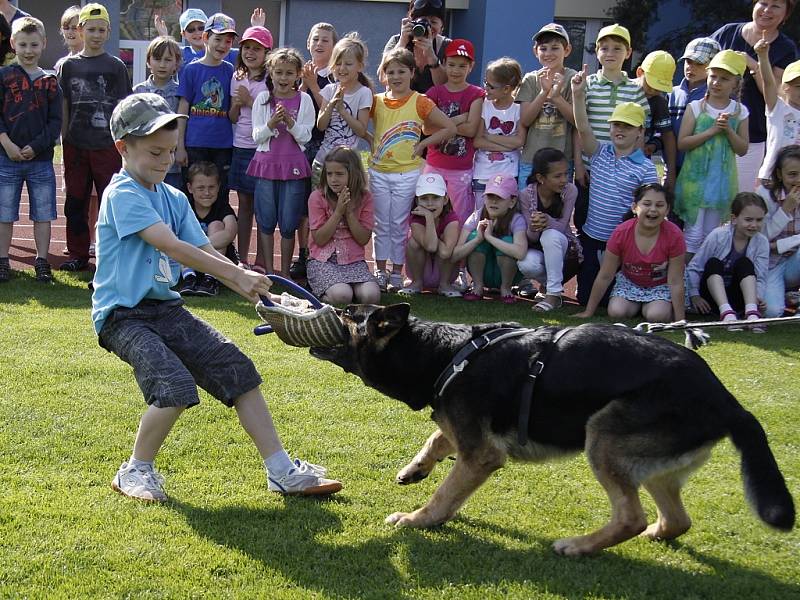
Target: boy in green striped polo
[(605, 89)]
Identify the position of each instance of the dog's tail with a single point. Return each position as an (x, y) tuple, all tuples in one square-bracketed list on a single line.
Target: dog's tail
[(764, 485)]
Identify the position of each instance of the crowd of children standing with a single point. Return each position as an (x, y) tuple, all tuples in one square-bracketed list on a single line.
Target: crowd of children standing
[(518, 184)]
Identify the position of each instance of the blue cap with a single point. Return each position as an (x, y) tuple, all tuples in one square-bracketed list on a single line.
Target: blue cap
[(191, 15)]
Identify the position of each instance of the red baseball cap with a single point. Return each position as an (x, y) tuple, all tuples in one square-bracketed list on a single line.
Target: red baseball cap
[(460, 47)]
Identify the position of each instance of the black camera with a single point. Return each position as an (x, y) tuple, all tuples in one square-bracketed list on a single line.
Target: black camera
[(420, 28)]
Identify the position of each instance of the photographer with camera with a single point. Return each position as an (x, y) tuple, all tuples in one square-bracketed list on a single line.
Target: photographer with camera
[(421, 33)]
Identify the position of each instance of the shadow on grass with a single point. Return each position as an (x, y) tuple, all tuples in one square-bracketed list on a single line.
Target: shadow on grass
[(300, 542)]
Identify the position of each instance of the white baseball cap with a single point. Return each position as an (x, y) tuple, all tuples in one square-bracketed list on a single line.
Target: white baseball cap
[(431, 183)]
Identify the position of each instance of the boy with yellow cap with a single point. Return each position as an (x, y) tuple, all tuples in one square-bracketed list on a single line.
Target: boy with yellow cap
[(618, 168), (93, 82), (713, 132), (655, 77), (783, 109), (604, 90)]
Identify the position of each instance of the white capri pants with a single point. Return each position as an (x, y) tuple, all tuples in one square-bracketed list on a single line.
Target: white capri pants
[(748, 166), (547, 265), (707, 221), (393, 199)]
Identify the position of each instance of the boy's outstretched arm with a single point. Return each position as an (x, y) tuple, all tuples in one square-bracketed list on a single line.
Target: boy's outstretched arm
[(585, 133), (248, 284)]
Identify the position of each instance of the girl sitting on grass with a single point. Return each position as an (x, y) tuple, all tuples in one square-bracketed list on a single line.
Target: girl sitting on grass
[(493, 239), (341, 219), (649, 251)]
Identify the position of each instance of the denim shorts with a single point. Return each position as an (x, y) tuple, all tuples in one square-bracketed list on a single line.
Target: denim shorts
[(238, 179), (172, 352), (280, 202), (40, 180)]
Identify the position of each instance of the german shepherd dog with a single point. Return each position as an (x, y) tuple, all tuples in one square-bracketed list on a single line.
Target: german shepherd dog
[(645, 410)]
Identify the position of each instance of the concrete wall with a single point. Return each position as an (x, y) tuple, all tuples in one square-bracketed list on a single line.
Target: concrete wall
[(581, 9)]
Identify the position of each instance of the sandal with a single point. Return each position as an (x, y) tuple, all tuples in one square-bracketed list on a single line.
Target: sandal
[(730, 315), (754, 315), (408, 291), (450, 293), (545, 306), (508, 299), (472, 297)]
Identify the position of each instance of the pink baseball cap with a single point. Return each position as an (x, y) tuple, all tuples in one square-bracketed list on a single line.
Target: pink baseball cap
[(502, 185), (259, 35)]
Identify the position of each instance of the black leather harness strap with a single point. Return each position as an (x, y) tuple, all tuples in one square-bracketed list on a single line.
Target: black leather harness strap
[(535, 367), (461, 359)]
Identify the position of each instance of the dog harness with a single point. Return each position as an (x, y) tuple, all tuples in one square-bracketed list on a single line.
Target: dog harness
[(535, 367)]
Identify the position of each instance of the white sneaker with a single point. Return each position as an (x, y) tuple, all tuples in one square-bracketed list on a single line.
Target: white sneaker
[(383, 279), (305, 479), (462, 281), (146, 485)]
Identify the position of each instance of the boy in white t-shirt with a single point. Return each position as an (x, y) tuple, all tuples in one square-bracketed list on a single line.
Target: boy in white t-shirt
[(782, 110)]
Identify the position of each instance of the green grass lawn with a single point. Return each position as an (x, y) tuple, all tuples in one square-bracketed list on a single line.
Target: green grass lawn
[(69, 411)]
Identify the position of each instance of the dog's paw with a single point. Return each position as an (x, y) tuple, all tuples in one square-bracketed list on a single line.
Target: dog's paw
[(574, 546), (659, 531), (400, 519), (411, 473)]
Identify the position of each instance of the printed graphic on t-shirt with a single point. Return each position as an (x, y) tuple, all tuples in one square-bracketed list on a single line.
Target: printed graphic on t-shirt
[(791, 129), (340, 132), (405, 132), (213, 98), (20, 100), (89, 99), (550, 120), (650, 272), (457, 145)]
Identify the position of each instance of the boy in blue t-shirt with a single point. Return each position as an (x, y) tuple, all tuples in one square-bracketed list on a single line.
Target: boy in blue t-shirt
[(204, 89), (144, 229)]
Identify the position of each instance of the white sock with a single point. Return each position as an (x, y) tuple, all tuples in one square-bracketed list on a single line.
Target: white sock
[(753, 308), (141, 465), (723, 308), (279, 463)]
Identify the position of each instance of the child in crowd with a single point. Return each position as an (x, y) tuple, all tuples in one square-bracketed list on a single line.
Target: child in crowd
[(729, 272), (462, 102), (92, 82), (341, 219), (399, 115), (217, 221), (655, 77), (501, 133), (605, 90), (547, 203), (713, 132), (649, 252), (163, 59), (545, 97), (618, 169), (316, 76), (345, 105), (493, 239), (192, 23), (249, 80), (30, 124), (782, 109), (434, 233), (282, 122), (7, 56), (69, 33), (204, 89), (696, 56), (782, 228), (144, 228)]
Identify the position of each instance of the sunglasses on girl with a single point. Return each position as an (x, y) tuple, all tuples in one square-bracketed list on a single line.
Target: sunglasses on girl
[(195, 29)]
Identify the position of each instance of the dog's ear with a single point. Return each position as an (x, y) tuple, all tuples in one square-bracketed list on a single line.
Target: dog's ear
[(386, 321)]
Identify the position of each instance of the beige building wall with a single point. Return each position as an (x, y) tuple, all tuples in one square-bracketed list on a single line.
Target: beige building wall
[(583, 9)]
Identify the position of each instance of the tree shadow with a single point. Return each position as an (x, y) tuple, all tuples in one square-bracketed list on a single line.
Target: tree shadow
[(468, 552)]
